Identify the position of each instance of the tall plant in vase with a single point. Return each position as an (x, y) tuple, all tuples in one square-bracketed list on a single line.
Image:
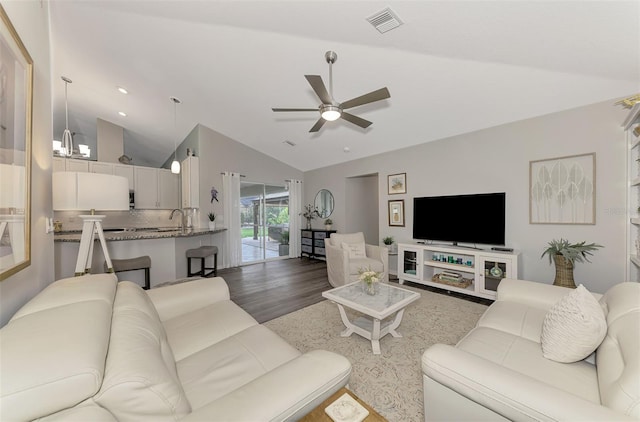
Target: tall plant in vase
[(310, 212), (565, 255)]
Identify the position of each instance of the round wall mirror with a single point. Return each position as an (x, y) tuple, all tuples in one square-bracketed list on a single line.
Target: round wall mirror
[(324, 203)]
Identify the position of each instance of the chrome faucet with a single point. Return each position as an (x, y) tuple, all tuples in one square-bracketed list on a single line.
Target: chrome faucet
[(181, 219)]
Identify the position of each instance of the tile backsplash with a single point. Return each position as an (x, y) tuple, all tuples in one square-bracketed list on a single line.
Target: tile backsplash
[(125, 219)]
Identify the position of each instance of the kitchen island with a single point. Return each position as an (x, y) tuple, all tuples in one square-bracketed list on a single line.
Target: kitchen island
[(166, 247)]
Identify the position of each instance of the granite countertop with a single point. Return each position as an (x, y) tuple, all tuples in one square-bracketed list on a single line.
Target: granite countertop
[(137, 234)]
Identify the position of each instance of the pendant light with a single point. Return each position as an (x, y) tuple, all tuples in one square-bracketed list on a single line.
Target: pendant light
[(175, 165), (67, 140)]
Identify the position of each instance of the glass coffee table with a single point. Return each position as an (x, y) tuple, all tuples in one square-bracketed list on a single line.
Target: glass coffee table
[(388, 301)]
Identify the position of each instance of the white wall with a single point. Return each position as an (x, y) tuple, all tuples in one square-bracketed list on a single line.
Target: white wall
[(31, 20), (110, 140), (497, 160)]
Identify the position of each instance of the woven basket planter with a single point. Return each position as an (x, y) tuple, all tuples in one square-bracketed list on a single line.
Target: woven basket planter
[(564, 272)]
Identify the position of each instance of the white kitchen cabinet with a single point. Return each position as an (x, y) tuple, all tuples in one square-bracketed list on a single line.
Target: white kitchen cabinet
[(80, 166), (70, 164), (190, 174), (168, 189), (155, 188), (59, 164), (125, 170), (100, 167), (146, 187)]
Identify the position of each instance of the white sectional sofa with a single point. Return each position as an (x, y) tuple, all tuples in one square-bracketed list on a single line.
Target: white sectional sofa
[(498, 372), (92, 349)]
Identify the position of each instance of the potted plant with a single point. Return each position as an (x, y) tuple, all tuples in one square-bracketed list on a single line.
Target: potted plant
[(283, 247), (328, 223), (565, 255), (388, 241), (212, 221)]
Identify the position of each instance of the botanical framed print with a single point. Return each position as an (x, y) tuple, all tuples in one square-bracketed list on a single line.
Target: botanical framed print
[(396, 213), (562, 190), (397, 183)]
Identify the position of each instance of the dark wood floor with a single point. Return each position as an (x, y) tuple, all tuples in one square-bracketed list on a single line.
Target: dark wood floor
[(275, 288)]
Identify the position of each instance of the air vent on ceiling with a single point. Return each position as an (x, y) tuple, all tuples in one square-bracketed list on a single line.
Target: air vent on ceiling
[(385, 20), (291, 144)]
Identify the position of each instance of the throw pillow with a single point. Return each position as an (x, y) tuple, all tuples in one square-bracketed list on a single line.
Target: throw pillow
[(573, 328), (356, 250)]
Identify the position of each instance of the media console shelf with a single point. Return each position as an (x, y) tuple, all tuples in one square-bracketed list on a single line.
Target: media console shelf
[(470, 271)]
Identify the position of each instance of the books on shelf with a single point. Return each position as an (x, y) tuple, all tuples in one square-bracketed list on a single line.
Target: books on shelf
[(450, 276)]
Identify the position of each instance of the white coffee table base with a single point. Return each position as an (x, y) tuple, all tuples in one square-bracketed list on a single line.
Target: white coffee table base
[(370, 328)]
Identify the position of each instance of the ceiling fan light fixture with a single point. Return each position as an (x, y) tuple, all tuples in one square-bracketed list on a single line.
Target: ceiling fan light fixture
[(330, 113)]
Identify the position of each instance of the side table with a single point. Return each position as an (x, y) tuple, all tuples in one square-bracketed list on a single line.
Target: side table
[(318, 414)]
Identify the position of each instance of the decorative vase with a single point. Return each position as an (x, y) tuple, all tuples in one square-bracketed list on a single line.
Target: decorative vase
[(308, 224), (212, 225), (327, 226), (564, 272), (370, 288)]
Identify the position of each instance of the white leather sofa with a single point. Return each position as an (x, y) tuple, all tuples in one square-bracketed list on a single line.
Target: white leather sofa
[(92, 349), (342, 268), (498, 372)]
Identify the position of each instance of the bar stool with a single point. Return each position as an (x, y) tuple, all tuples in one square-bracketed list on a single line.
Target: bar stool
[(201, 253), (132, 264)]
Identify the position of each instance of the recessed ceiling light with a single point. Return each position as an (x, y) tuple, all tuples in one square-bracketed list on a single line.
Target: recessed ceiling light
[(346, 149), (122, 113), (122, 90)]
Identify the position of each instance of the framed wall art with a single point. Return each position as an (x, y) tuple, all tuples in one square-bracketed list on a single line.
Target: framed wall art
[(397, 183), (16, 105), (562, 190), (396, 213)]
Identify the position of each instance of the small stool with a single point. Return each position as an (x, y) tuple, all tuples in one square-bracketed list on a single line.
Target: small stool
[(139, 263), (202, 252)]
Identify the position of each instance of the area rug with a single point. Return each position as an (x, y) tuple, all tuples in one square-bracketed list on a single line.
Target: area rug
[(392, 381)]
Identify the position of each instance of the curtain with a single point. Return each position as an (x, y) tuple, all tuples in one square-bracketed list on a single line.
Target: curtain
[(233, 242), (295, 208)]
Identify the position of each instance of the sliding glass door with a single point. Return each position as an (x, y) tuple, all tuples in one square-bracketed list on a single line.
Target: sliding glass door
[(264, 216)]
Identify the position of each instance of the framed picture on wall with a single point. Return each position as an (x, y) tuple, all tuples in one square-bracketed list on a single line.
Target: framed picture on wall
[(396, 213), (562, 190), (16, 118), (397, 183)]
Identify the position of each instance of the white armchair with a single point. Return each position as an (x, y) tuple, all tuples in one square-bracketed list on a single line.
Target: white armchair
[(343, 263)]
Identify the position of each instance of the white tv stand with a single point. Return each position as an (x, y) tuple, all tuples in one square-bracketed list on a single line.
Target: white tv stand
[(481, 270)]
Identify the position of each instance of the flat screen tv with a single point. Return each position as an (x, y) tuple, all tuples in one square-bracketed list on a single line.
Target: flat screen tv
[(475, 218)]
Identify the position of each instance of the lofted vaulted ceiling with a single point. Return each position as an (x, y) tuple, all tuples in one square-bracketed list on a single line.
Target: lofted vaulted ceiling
[(452, 67)]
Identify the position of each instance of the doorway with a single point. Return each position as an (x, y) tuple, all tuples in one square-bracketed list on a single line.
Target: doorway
[(362, 207), (264, 219)]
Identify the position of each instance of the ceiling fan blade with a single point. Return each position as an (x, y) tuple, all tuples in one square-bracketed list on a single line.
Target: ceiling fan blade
[(318, 86), (371, 97), (294, 109), (356, 120), (318, 125)]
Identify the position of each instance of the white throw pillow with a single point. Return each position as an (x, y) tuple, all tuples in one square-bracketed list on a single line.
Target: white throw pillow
[(573, 328), (356, 250)]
